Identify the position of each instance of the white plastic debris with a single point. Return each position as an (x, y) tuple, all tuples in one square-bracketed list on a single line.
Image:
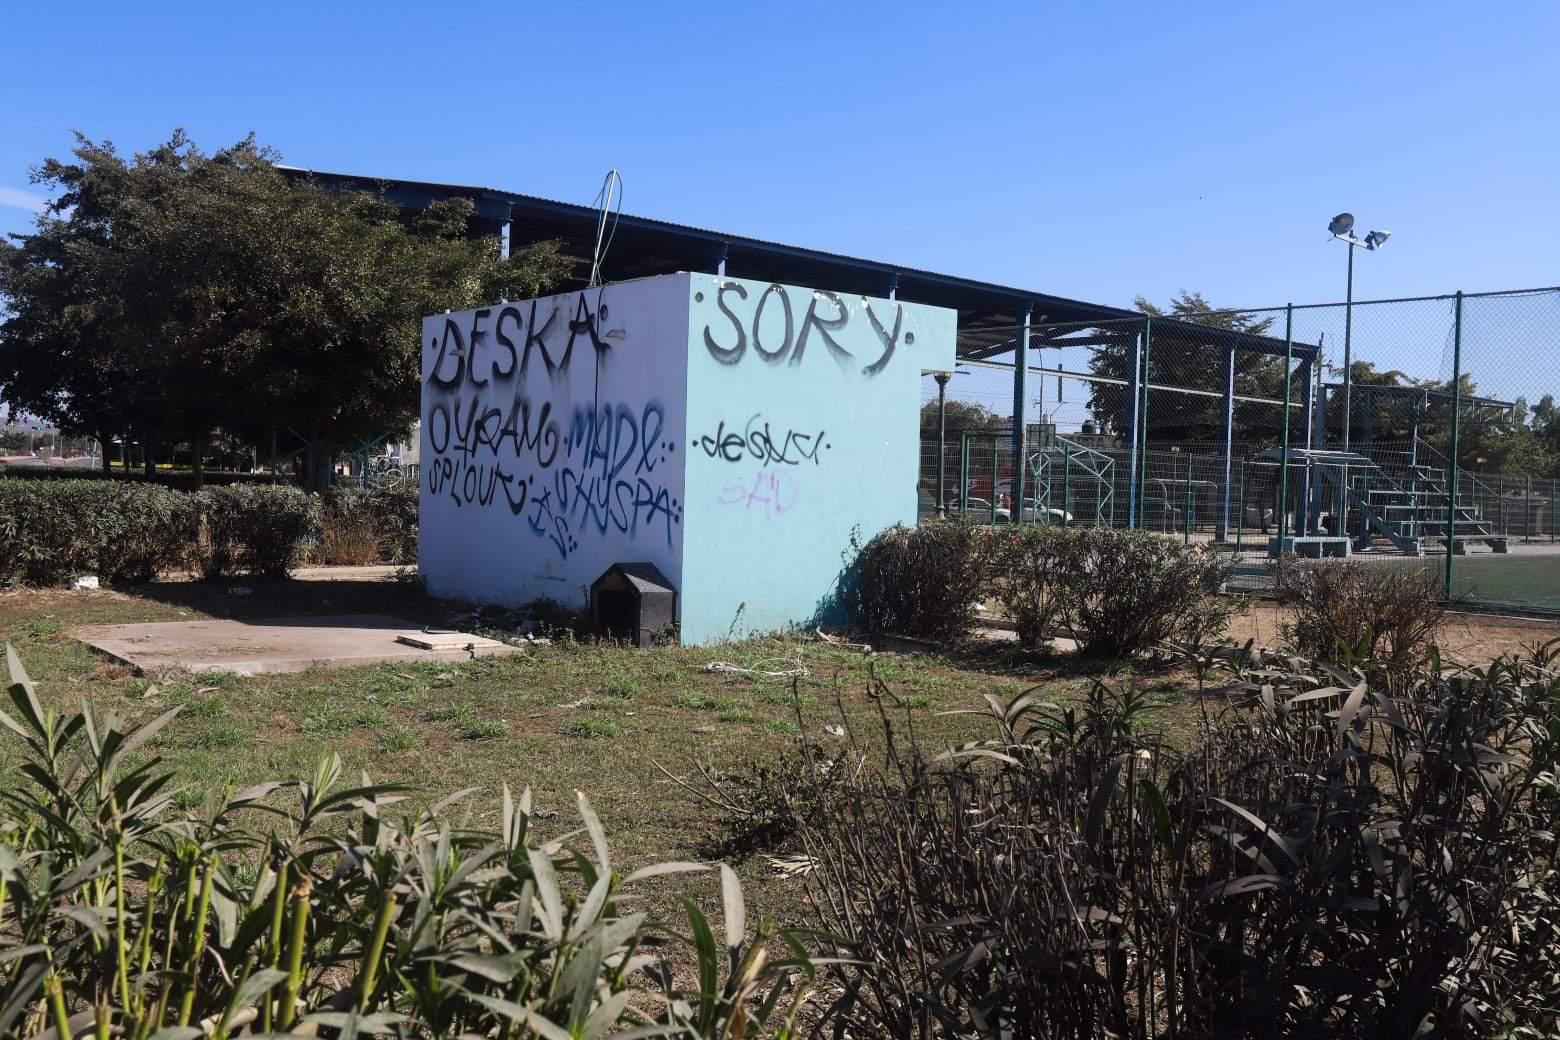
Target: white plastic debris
[(85, 581)]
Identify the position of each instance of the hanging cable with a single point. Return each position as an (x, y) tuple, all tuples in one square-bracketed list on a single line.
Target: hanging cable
[(605, 211)]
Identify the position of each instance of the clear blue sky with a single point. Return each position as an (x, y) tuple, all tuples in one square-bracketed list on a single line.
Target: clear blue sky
[(1090, 150)]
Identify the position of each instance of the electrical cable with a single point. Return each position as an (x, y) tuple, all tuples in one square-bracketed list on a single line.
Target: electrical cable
[(603, 204)]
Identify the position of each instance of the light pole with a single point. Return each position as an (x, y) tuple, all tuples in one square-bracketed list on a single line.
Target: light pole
[(942, 441), (1342, 228)]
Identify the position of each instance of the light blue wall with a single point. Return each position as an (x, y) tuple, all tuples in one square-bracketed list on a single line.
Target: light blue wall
[(800, 430)]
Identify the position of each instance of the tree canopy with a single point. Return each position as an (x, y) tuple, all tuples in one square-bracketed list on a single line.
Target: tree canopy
[(174, 293)]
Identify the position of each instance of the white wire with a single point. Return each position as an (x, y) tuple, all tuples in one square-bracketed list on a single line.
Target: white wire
[(603, 204), (796, 671)]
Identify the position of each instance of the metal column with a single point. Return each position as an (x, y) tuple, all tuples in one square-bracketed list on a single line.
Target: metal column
[(1451, 498), (1130, 434), (1020, 411), (1228, 416), (1283, 461), (1309, 491), (942, 442)]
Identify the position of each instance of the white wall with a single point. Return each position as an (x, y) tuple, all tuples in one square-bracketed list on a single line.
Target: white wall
[(803, 431), (552, 442)]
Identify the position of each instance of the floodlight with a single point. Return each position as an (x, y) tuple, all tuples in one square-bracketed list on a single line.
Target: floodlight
[(1377, 239), (1342, 224)]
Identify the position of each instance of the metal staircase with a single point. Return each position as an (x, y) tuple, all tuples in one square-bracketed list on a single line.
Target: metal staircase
[(1409, 509)]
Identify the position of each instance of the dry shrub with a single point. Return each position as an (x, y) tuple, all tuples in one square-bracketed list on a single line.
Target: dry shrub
[(1125, 592), (360, 526), (349, 543), (922, 581), (1026, 563), (1338, 608), (1325, 861)]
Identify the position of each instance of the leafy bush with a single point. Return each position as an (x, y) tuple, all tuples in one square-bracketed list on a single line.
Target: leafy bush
[(126, 917), (1328, 860), (257, 529), (377, 524), (922, 581), (1123, 592), (53, 530), (1338, 608), (1026, 563)]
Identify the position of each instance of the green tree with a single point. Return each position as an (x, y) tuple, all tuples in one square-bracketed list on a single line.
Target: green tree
[(1191, 355), (178, 293), (963, 417)]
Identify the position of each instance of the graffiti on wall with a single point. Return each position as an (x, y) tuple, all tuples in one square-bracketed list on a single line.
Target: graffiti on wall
[(771, 493), (503, 433), (780, 332), (759, 441)]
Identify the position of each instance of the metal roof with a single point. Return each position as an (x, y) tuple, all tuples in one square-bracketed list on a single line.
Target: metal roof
[(643, 246)]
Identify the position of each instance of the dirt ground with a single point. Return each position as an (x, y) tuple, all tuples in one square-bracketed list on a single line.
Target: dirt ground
[(1470, 638)]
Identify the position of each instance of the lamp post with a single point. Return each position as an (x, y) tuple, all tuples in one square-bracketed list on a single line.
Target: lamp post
[(1342, 228), (942, 441)]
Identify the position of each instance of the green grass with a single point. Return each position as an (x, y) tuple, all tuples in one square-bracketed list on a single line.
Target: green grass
[(398, 739), (483, 729), (592, 726), (441, 727), (227, 735)]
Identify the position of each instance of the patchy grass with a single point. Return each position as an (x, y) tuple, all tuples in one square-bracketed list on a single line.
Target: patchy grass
[(483, 729), (556, 718), (592, 726)]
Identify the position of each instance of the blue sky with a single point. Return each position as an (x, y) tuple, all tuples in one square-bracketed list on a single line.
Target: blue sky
[(1090, 150)]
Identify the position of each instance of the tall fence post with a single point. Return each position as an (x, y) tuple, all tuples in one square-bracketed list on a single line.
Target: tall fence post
[(996, 443), (1020, 411), (1283, 477), (1240, 513), (1451, 506), (1227, 421), (964, 472), (1134, 420), (1186, 521), (1066, 484), (1142, 465), (1528, 513)]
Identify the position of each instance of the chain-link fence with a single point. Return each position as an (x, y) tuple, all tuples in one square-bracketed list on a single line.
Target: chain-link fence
[(1419, 433)]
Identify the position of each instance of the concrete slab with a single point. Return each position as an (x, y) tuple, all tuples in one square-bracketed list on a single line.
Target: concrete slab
[(281, 644)]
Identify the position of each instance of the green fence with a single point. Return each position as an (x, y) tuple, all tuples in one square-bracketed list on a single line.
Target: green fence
[(1422, 433)]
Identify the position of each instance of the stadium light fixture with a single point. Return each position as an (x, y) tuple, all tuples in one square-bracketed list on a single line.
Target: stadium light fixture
[(1342, 228)]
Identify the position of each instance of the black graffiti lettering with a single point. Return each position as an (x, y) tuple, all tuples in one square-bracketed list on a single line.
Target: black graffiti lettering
[(487, 430), (759, 442), (513, 484), (890, 340), (723, 445), (826, 316), (504, 341), (449, 382), (584, 323), (728, 355), (462, 434), (541, 439), (537, 337), (492, 449), (778, 354), (649, 436), (478, 334), (438, 418), (825, 327)]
